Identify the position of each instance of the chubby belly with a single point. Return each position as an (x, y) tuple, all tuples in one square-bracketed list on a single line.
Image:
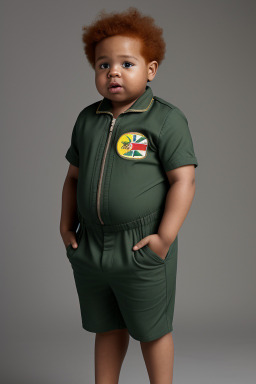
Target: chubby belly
[(134, 198), (127, 192)]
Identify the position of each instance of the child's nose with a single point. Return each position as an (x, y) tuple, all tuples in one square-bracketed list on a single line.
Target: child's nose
[(113, 71)]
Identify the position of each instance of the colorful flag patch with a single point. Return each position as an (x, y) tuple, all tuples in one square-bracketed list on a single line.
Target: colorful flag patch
[(132, 145)]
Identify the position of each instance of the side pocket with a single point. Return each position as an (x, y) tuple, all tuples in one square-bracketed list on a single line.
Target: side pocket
[(69, 249), (172, 250), (168, 255), (150, 229), (151, 253)]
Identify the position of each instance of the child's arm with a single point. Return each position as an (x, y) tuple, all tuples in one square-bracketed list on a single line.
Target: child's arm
[(69, 219), (178, 201)]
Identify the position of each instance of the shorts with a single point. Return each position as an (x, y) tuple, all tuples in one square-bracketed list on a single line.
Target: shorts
[(119, 287)]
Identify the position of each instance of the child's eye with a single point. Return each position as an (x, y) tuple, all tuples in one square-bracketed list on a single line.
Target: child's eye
[(127, 62), (103, 64)]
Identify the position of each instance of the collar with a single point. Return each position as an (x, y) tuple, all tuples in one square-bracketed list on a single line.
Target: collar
[(142, 104)]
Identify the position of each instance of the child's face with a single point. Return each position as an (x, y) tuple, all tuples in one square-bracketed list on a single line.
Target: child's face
[(131, 73)]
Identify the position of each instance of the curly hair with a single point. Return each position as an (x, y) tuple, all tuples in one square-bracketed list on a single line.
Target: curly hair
[(127, 23)]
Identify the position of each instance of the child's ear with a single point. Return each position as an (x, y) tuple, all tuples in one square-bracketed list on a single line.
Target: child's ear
[(152, 70)]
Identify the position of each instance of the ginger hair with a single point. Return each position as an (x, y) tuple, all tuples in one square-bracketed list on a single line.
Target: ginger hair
[(127, 23)]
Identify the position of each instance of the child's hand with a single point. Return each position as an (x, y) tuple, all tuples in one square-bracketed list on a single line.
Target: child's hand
[(155, 243), (69, 237)]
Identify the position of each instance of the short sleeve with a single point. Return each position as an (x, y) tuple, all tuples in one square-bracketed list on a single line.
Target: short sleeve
[(72, 154), (175, 144)]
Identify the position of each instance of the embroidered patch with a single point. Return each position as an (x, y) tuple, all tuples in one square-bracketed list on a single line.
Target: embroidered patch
[(132, 146)]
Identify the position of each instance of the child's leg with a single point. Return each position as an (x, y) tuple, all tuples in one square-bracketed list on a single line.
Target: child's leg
[(159, 357), (110, 350)]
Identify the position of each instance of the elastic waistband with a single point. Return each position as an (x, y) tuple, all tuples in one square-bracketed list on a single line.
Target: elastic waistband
[(140, 221)]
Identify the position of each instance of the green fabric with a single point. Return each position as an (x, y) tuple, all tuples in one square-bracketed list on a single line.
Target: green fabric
[(134, 181), (121, 288), (117, 286), (175, 142)]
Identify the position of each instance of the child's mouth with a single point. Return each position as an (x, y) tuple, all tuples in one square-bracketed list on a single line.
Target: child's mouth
[(115, 89)]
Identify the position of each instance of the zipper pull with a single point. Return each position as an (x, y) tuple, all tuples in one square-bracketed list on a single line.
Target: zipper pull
[(112, 124)]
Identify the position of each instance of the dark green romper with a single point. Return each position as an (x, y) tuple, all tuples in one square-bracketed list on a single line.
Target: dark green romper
[(121, 195)]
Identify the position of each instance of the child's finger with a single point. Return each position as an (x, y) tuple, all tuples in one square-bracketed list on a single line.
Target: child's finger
[(74, 244), (141, 243)]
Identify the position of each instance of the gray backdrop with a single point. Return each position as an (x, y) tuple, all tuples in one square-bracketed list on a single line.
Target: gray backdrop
[(208, 72)]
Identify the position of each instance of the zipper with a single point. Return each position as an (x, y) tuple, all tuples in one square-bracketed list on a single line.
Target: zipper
[(102, 167), (105, 155)]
